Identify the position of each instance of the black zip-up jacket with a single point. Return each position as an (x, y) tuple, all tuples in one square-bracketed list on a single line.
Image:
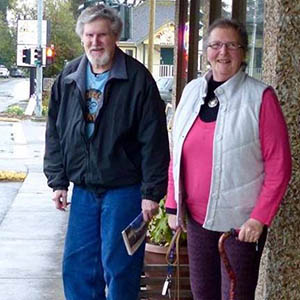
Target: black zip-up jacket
[(130, 142)]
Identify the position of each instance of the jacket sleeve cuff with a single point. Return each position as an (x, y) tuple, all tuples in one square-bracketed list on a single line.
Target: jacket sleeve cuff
[(153, 193), (60, 188), (151, 197)]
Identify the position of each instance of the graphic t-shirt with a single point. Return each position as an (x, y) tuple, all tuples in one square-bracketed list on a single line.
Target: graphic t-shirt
[(94, 97)]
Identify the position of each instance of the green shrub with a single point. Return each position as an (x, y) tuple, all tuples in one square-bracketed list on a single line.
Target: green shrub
[(159, 232), (158, 229), (46, 98), (15, 110)]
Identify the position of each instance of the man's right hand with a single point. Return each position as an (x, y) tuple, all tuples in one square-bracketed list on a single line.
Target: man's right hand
[(60, 198)]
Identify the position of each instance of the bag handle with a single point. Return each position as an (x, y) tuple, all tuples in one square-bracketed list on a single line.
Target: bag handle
[(173, 249), (172, 258)]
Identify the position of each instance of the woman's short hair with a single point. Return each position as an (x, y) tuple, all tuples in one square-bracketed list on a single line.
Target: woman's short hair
[(101, 11), (227, 23)]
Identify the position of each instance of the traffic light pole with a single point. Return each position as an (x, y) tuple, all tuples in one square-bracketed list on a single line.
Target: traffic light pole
[(39, 67), (31, 80)]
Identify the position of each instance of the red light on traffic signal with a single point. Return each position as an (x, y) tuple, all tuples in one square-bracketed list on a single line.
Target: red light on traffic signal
[(50, 53)]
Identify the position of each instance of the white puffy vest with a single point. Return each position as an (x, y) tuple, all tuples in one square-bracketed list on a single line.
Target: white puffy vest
[(238, 169)]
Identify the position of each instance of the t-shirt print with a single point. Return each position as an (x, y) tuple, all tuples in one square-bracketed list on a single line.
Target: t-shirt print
[(94, 102)]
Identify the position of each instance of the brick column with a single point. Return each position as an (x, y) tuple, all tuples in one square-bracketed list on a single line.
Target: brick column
[(280, 271)]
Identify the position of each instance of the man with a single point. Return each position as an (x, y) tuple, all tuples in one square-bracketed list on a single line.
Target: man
[(106, 133)]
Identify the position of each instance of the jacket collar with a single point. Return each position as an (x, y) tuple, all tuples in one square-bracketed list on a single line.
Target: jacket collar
[(232, 85), (79, 75), (118, 70), (229, 87)]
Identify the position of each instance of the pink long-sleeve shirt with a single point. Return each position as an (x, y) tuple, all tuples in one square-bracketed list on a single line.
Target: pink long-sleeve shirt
[(198, 150)]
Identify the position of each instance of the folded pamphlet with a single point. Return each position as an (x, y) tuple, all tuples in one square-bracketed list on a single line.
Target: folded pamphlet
[(134, 234)]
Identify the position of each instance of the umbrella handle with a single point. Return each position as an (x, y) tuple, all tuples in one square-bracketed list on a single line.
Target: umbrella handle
[(224, 257)]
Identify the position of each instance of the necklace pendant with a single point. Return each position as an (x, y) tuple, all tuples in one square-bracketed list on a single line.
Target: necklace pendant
[(213, 102)]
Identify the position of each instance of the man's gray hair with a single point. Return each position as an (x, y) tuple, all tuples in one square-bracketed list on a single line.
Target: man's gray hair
[(101, 11)]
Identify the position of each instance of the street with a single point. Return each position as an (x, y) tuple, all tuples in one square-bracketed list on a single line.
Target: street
[(13, 90)]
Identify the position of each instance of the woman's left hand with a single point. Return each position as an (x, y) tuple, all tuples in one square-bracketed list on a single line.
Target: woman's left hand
[(251, 231)]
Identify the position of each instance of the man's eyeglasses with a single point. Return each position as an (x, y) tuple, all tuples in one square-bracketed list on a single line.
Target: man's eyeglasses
[(229, 45)]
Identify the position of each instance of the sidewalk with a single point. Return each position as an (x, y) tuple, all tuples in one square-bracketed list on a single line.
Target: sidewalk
[(32, 232)]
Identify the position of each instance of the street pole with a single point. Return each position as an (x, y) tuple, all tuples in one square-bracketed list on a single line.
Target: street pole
[(252, 55), (39, 67), (31, 81), (151, 35)]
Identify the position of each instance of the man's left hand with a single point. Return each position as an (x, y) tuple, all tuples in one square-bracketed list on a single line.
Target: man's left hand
[(150, 209)]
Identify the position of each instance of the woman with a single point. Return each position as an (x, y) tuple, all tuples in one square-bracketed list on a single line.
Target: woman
[(230, 166)]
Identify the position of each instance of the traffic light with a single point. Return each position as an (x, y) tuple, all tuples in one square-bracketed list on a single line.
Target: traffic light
[(26, 56), (50, 53), (38, 56)]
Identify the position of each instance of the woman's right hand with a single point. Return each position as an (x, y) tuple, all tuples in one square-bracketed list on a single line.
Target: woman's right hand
[(172, 223)]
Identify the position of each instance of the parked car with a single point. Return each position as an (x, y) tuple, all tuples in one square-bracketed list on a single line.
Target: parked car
[(165, 86), (4, 71), (15, 72)]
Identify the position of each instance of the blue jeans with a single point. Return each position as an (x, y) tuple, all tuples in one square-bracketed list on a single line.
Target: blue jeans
[(95, 256)]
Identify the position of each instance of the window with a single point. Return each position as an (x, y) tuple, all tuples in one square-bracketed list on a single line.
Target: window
[(129, 52)]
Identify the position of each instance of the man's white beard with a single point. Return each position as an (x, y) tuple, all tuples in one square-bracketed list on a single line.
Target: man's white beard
[(99, 61)]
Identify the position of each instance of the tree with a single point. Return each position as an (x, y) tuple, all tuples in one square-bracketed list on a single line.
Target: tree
[(7, 53), (23, 12), (6, 4), (63, 36), (3, 7), (74, 7)]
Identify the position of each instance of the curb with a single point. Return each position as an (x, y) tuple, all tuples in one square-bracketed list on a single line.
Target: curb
[(7, 119), (38, 119)]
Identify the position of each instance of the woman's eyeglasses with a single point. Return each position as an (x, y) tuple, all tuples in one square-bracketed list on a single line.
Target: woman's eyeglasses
[(228, 45)]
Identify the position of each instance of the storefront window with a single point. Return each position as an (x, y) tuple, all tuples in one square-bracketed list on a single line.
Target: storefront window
[(255, 23), (254, 26), (226, 8)]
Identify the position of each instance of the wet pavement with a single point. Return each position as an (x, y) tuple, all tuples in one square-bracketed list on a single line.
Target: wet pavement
[(8, 192), (32, 231), (13, 90)]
